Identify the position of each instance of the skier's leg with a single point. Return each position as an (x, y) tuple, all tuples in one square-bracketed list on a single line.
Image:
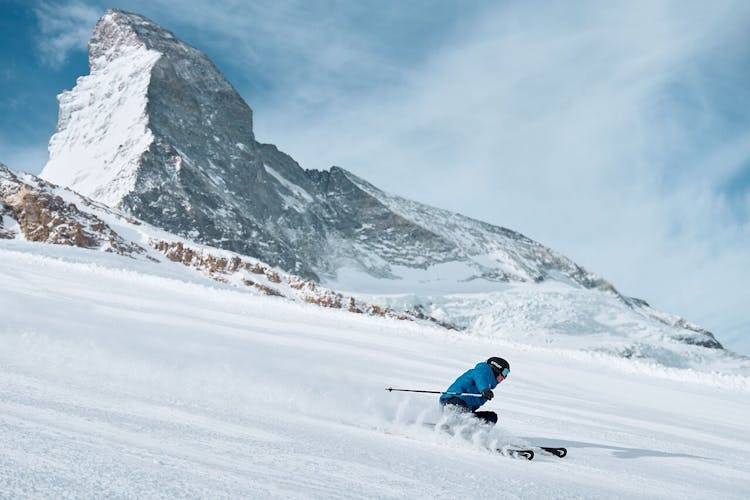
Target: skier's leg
[(456, 404), (488, 416)]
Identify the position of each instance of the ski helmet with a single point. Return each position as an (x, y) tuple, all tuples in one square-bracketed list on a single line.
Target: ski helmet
[(499, 366)]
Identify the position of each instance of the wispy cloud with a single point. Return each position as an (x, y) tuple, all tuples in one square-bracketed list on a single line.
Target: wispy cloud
[(64, 27)]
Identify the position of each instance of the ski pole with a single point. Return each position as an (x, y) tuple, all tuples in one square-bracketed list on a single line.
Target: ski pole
[(391, 389)]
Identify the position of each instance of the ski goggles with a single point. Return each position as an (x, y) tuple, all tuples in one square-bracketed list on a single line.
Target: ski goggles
[(503, 370)]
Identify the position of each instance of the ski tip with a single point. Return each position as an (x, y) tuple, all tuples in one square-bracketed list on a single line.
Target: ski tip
[(517, 453), (558, 452), (527, 454)]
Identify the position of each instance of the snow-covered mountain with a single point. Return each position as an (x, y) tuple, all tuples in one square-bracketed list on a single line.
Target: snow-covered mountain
[(156, 131)]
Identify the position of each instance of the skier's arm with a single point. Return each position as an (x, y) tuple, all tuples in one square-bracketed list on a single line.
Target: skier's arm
[(484, 379)]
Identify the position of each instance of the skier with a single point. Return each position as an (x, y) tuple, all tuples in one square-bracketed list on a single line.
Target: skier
[(479, 380)]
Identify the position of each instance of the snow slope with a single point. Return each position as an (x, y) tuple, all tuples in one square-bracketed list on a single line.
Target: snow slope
[(123, 378)]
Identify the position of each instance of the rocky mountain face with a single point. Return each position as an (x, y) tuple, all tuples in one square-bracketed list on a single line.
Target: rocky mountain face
[(157, 131), (32, 209)]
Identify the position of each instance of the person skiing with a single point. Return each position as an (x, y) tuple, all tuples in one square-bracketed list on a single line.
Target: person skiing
[(479, 380)]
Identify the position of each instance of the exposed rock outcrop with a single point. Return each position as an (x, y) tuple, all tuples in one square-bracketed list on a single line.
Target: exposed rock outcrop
[(41, 214)]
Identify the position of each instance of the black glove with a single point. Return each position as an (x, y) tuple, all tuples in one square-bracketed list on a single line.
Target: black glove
[(487, 394)]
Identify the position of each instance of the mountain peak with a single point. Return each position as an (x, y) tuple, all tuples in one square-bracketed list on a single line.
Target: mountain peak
[(152, 106), (118, 32)]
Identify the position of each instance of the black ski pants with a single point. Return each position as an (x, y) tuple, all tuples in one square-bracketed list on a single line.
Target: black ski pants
[(488, 416)]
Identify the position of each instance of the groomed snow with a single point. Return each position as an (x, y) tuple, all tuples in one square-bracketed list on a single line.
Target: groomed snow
[(121, 378)]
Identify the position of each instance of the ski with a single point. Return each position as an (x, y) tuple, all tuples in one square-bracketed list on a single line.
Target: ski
[(558, 452), (517, 453)]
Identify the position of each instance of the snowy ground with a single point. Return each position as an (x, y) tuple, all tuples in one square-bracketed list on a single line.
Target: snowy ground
[(127, 379)]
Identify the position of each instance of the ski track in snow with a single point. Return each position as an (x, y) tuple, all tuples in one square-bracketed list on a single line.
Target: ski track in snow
[(129, 379)]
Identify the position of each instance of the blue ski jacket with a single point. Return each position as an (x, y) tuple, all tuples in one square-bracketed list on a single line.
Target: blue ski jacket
[(475, 381)]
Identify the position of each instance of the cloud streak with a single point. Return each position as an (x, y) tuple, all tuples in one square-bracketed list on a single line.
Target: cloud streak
[(64, 28)]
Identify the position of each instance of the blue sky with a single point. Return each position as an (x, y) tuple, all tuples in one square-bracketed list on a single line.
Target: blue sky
[(617, 133)]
